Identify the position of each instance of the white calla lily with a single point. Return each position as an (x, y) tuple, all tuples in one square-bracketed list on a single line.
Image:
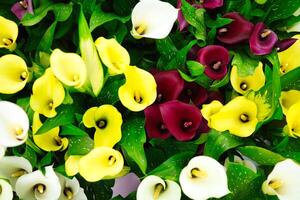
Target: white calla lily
[(6, 191), (284, 181), (12, 167), (2, 151), (155, 188), (37, 186), (14, 124), (204, 178), (152, 19), (70, 189)]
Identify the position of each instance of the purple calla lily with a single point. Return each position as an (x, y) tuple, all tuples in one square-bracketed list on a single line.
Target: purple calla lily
[(211, 4), (285, 44), (194, 93), (125, 185), (21, 8)]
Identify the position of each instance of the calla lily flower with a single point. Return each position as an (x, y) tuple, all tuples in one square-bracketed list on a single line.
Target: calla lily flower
[(36, 185), (107, 121), (262, 39), (288, 98), (9, 34), (169, 85), (2, 151), (242, 84), (289, 58), (100, 162), (284, 44), (72, 165), (48, 94), (203, 178), (49, 141), (237, 31), (155, 188), (139, 91), (125, 185), (293, 120), (283, 181), (69, 68), (13, 74), (154, 123), (239, 116), (14, 124), (211, 4), (21, 8), (6, 192), (152, 19), (181, 119), (210, 109), (215, 58), (193, 93), (13, 167), (113, 55), (70, 189)]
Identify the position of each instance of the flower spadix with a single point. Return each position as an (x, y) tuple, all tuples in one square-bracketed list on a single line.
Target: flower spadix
[(139, 91), (9, 34), (14, 124), (6, 191), (70, 189), (284, 181), (239, 116), (48, 94), (152, 19), (49, 141), (69, 68), (254, 82), (289, 58), (13, 167), (288, 98), (13, 74), (113, 55), (36, 185), (107, 121), (293, 120), (203, 178), (155, 188), (100, 162)]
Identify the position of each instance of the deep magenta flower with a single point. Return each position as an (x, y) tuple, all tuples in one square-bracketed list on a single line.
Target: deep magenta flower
[(21, 8), (262, 39), (215, 58), (211, 4), (169, 85), (285, 44), (181, 119), (154, 124), (237, 31), (192, 92)]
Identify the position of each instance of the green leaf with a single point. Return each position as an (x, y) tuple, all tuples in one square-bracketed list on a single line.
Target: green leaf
[(100, 17), (71, 130), (217, 143), (195, 17), (30, 155), (109, 92), (80, 145), (186, 77), (260, 155), (220, 83), (133, 139), (219, 22), (195, 68), (47, 39), (97, 190), (62, 11), (171, 168), (245, 65), (166, 46), (291, 80), (46, 160), (64, 117)]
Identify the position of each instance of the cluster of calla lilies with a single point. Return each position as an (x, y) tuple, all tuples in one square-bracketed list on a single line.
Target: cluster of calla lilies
[(172, 107)]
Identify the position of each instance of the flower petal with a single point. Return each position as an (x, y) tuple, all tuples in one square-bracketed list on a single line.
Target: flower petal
[(9, 33), (72, 165), (6, 190), (288, 98)]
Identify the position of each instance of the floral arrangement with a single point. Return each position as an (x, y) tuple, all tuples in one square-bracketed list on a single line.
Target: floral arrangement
[(150, 99)]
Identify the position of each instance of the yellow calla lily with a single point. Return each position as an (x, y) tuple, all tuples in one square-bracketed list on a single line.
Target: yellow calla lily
[(49, 141), (100, 162), (13, 74), (48, 94), (107, 121), (113, 55), (72, 165), (239, 116), (289, 58), (8, 34), (210, 109), (253, 82), (69, 68), (288, 98), (139, 91), (293, 120)]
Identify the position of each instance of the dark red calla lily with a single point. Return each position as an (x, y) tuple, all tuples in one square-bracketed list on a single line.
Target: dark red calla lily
[(211, 4), (169, 85), (285, 44), (214, 95), (154, 124), (216, 59), (262, 40), (181, 119), (237, 31), (192, 92)]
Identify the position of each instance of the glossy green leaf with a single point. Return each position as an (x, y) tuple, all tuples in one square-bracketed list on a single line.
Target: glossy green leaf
[(245, 65), (80, 145), (195, 68), (280, 9), (47, 39), (291, 80), (71, 130)]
